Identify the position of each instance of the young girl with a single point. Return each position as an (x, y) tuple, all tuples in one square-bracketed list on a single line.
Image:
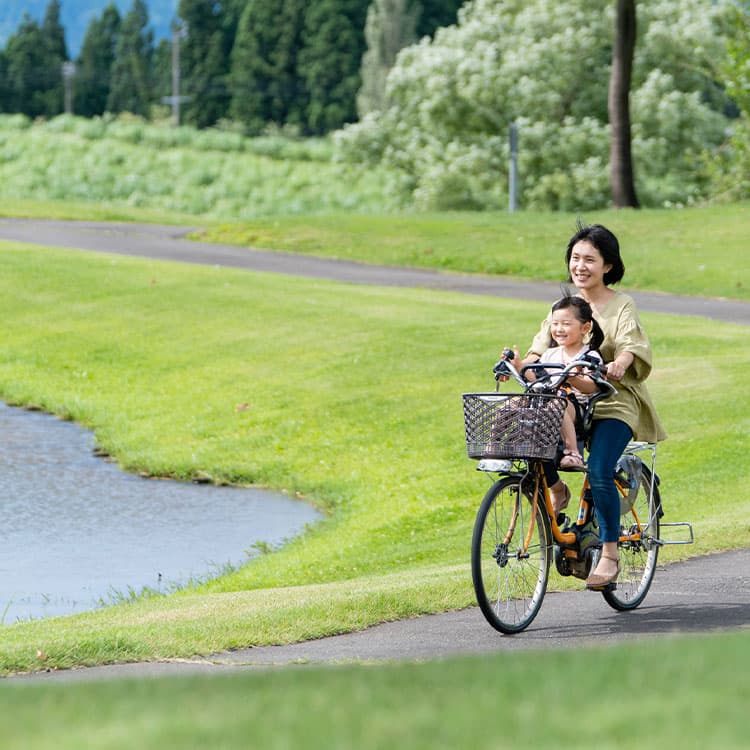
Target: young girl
[(573, 333)]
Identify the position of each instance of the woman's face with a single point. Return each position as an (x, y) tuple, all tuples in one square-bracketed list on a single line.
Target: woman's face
[(587, 267)]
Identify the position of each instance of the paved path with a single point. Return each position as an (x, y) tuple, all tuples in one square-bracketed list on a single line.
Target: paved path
[(169, 243), (702, 594)]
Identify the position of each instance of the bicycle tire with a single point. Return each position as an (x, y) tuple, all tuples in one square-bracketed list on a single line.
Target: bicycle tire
[(510, 585), (638, 559)]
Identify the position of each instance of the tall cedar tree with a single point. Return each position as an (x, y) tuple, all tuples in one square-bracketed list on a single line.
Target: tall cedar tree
[(56, 53), (94, 65), (333, 44), (5, 89), (204, 65), (35, 55), (265, 85), (132, 71)]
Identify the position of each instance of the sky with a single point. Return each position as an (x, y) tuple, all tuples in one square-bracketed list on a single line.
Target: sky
[(76, 15)]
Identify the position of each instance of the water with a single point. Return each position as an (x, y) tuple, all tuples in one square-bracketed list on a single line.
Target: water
[(75, 530)]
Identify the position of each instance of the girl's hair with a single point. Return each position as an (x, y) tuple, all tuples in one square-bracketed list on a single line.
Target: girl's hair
[(607, 245), (584, 314)]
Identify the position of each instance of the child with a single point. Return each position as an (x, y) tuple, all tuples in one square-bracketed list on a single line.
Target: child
[(574, 333)]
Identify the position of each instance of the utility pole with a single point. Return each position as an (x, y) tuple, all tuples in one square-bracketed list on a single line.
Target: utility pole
[(513, 169), (179, 31), (68, 73)]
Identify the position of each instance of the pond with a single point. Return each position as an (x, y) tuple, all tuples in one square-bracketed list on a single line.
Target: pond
[(76, 532)]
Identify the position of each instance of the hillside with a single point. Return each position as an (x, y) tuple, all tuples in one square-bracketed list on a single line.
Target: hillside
[(76, 15)]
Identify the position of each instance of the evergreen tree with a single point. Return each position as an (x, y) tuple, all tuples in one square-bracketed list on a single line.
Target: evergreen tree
[(391, 25), (94, 66), (333, 44), (204, 64), (436, 13), (131, 81), (33, 81), (26, 74), (5, 90), (55, 54), (264, 81), (53, 32)]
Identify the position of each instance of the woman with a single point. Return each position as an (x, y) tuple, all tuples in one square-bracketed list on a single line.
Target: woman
[(594, 264)]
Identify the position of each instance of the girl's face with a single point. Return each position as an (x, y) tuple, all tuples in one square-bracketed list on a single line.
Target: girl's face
[(567, 330), (587, 267)]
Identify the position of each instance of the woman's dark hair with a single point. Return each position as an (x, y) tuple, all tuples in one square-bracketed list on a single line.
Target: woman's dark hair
[(607, 245), (584, 314)]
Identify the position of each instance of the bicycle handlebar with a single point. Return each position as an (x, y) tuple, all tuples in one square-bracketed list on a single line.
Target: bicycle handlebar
[(594, 367)]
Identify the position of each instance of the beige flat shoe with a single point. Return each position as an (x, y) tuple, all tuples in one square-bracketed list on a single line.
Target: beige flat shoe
[(596, 582)]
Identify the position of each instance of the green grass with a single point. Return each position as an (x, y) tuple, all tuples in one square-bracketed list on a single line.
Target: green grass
[(353, 403), (693, 251), (210, 173), (688, 692)]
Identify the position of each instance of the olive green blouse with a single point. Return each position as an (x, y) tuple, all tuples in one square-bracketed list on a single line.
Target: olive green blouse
[(622, 332)]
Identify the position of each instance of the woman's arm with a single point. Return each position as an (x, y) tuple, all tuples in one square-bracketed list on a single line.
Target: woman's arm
[(618, 367)]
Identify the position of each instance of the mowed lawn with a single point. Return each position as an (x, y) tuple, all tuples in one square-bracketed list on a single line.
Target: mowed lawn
[(353, 403)]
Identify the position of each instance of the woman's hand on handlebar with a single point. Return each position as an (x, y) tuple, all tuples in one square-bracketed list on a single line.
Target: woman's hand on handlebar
[(617, 368)]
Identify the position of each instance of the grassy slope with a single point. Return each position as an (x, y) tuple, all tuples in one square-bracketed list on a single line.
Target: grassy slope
[(697, 251), (353, 402)]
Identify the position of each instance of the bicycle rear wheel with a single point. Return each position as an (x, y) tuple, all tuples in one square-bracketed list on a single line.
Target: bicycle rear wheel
[(638, 557), (510, 576)]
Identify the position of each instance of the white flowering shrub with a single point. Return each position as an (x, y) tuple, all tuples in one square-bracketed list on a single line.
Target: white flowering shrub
[(546, 65)]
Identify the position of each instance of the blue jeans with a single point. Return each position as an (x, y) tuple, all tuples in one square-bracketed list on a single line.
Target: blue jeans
[(608, 440)]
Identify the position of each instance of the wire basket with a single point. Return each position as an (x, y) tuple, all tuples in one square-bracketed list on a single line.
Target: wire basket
[(502, 425)]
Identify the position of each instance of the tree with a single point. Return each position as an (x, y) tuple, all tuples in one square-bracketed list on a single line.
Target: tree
[(436, 13), (450, 100), (131, 82), (6, 93), (731, 177), (94, 65), (265, 83), (620, 155), (204, 63), (391, 25), (35, 55), (333, 45), (55, 54)]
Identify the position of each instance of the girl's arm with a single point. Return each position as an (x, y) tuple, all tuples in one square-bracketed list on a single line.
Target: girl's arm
[(582, 383)]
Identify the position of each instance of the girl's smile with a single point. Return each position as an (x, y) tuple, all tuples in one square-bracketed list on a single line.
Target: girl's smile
[(567, 331)]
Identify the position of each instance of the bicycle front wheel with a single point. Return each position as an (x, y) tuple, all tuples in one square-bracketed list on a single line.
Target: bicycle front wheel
[(638, 554), (510, 556)]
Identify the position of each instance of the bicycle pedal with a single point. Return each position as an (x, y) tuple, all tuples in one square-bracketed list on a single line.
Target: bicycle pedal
[(606, 587)]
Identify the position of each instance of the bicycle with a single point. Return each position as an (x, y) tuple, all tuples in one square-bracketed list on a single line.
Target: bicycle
[(517, 533)]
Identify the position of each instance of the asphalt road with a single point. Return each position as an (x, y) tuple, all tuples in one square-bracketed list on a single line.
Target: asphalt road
[(703, 594), (169, 243)]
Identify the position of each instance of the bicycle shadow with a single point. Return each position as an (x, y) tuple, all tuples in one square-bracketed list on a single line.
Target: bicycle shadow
[(702, 594)]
